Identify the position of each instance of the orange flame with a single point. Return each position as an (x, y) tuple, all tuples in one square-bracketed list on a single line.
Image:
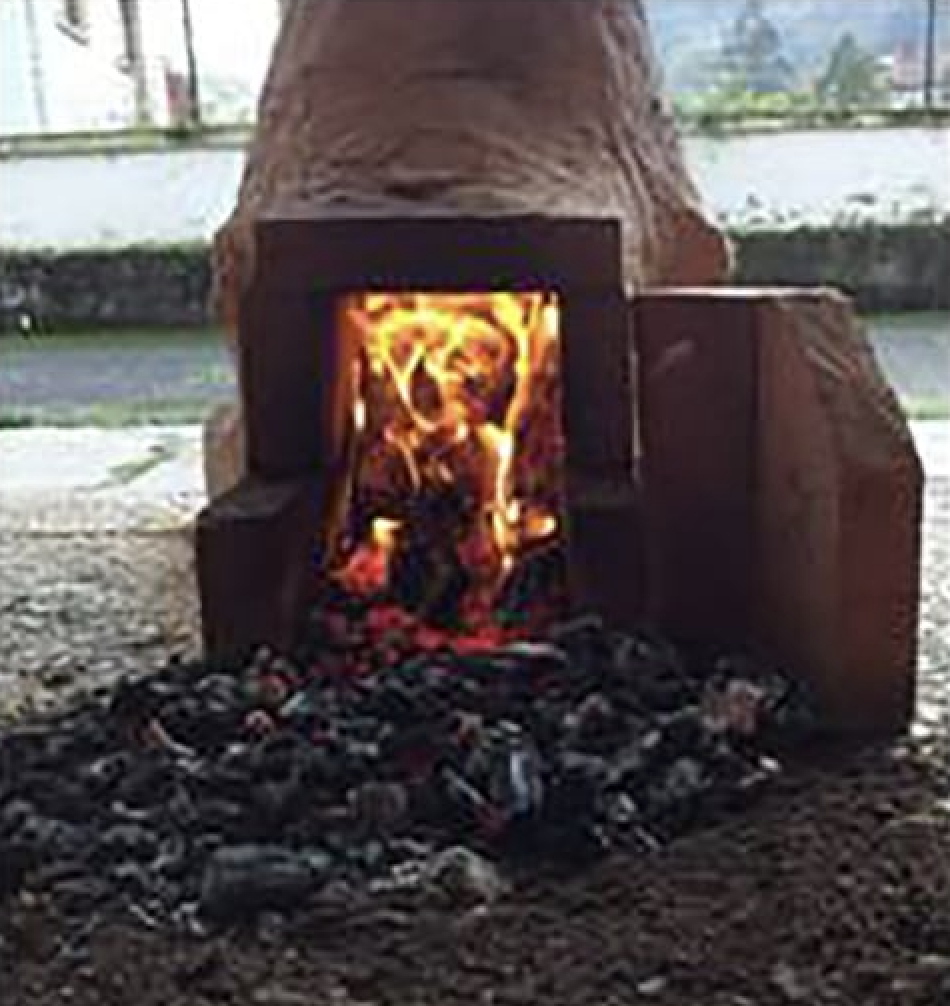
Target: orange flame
[(444, 390)]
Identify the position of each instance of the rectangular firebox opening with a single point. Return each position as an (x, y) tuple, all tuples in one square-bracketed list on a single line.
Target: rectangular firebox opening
[(441, 409), (452, 495)]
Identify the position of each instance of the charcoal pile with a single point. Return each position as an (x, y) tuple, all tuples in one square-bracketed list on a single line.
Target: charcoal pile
[(381, 755)]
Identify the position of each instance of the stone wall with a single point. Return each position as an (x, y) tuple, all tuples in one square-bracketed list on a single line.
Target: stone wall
[(154, 287), (177, 190), (900, 267), (886, 268)]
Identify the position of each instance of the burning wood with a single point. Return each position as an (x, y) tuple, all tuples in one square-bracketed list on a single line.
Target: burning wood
[(446, 388)]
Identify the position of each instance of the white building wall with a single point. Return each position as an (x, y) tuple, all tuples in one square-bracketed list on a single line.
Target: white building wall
[(20, 108), (86, 87), (182, 195), (52, 82), (164, 51), (83, 87), (824, 175)]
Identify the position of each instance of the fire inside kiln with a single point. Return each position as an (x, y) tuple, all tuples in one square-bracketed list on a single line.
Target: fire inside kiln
[(456, 465)]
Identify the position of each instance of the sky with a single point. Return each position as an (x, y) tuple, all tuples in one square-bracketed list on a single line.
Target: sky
[(233, 38)]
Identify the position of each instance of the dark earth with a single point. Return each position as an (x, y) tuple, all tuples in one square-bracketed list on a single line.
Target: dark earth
[(833, 889)]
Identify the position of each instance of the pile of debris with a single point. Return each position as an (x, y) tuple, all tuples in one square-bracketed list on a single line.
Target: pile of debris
[(380, 755)]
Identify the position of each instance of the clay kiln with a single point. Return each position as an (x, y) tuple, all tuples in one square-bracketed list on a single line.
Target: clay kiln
[(736, 472)]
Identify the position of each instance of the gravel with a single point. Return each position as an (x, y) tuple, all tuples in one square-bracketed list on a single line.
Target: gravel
[(90, 589)]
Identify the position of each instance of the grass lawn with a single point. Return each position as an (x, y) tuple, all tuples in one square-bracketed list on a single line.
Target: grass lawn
[(930, 322), (108, 416)]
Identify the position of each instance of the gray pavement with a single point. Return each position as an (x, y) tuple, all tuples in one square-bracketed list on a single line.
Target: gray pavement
[(113, 378), (169, 378), (914, 353)]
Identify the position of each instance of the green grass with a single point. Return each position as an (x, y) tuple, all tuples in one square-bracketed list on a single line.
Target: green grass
[(180, 413), (926, 408), (118, 339), (17, 421), (112, 415), (912, 323)]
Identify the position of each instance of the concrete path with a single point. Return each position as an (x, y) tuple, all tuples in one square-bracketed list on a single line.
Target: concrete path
[(914, 353), (149, 461), (165, 462), (78, 481)]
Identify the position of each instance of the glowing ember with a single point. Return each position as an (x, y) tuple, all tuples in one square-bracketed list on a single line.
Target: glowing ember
[(456, 467)]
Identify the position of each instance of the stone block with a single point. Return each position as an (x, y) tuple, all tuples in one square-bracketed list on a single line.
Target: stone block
[(782, 493), (605, 548), (598, 402), (256, 564), (696, 371), (838, 513), (223, 449)]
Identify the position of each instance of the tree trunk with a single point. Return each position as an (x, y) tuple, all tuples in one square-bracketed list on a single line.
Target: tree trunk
[(484, 106)]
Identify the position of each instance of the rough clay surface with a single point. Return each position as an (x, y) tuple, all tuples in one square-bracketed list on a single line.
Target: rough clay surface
[(840, 487), (480, 107), (835, 890), (476, 106), (223, 448)]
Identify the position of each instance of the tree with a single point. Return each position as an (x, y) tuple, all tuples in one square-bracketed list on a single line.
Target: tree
[(852, 78), (752, 57)]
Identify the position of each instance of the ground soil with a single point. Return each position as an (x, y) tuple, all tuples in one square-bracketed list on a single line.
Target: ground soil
[(834, 890)]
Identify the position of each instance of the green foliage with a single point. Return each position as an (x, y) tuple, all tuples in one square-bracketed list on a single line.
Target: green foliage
[(852, 78), (922, 408), (752, 57), (733, 103)]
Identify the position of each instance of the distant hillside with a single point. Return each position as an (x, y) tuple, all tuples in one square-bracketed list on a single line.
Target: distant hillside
[(689, 32)]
